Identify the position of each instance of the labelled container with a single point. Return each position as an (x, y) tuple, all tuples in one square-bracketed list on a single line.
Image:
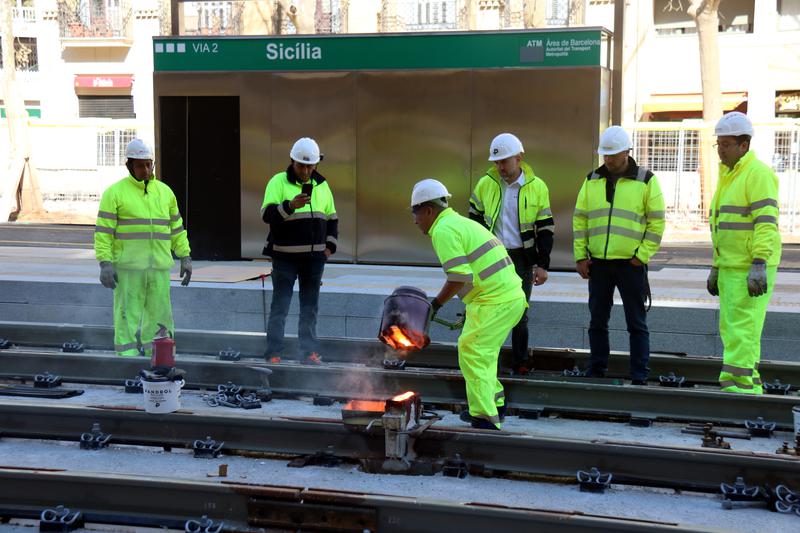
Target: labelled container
[(163, 349), (161, 394)]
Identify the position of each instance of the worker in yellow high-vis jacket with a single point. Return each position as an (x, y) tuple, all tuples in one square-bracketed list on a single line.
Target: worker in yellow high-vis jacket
[(617, 227), (747, 250), (138, 228), (481, 273)]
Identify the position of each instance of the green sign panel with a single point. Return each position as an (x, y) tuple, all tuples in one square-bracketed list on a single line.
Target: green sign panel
[(571, 48)]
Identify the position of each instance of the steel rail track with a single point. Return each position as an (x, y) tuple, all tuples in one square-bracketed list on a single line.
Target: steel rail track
[(696, 369), (148, 501), (442, 387), (491, 452)]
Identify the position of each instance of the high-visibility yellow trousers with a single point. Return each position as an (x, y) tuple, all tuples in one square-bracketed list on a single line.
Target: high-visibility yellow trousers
[(741, 320), (485, 329), (141, 302)]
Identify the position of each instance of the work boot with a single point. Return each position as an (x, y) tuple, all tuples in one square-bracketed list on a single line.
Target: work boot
[(481, 423), (313, 359), (466, 417), (638, 382), (272, 358), (520, 370)]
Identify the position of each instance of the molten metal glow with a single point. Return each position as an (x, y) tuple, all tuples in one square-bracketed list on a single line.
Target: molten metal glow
[(403, 397), (400, 339), (371, 406)]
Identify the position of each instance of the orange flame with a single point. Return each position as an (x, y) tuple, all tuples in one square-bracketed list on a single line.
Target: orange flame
[(403, 397), (365, 405), (400, 339)]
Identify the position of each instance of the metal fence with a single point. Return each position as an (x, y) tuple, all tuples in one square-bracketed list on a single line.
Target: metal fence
[(672, 152)]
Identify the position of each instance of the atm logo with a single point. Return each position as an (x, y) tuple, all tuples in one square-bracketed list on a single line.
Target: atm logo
[(296, 52)]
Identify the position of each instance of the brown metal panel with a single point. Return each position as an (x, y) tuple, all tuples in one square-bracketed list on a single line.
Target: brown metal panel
[(320, 106), (253, 89), (411, 125), (554, 112)]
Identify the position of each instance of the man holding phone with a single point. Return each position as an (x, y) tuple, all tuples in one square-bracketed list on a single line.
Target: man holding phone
[(299, 210)]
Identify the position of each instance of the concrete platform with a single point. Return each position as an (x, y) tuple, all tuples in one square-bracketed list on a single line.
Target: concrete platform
[(40, 284)]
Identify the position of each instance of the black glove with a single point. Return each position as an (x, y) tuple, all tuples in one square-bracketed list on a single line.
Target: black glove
[(186, 270), (435, 306), (107, 275), (712, 283)]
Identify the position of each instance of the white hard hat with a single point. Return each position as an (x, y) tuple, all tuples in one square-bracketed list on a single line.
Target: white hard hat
[(734, 124), (503, 146), (429, 190), (138, 149), (306, 151), (613, 141)]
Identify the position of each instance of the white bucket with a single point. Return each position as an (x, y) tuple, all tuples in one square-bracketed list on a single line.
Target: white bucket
[(796, 413), (162, 396)]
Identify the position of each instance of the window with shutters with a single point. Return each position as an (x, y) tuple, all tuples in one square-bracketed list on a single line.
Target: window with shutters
[(111, 147), (105, 106)]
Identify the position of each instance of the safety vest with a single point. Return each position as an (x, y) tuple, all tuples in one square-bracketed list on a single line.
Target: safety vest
[(469, 253), (139, 226), (535, 217), (618, 220), (744, 215), (304, 232)]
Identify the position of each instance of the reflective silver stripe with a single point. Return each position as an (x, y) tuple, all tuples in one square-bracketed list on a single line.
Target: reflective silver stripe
[(736, 209), (282, 211), (499, 395), (525, 227), (331, 239), (493, 419), (595, 176), (175, 218), (551, 227), (544, 212), (143, 236), (306, 214), (143, 221), (579, 213), (495, 267), (103, 229), (617, 230), (579, 234), (477, 202), (460, 278), (598, 213), (333, 216), (655, 214), (177, 230), (454, 262), (489, 221), (529, 243), (736, 371), (106, 214), (466, 289), (652, 237), (764, 203), (629, 215), (125, 347), (262, 211), (756, 381), (641, 174), (299, 249), (725, 383), (473, 210), (766, 219), (738, 226), (481, 250)]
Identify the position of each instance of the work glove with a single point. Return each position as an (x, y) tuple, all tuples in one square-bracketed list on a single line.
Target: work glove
[(186, 270), (757, 279), (108, 278), (435, 306), (712, 282)]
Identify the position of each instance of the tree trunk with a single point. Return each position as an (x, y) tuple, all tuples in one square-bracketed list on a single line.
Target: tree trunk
[(19, 184), (706, 17), (302, 16), (534, 13)]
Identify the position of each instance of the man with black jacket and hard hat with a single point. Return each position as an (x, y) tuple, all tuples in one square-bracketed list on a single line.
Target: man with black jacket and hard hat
[(514, 204), (303, 230), (747, 250), (480, 272), (138, 228), (617, 227)]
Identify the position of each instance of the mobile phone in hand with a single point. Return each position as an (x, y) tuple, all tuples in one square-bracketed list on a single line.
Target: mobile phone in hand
[(306, 189)]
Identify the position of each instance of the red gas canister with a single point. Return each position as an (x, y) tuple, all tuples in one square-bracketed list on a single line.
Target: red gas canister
[(163, 349)]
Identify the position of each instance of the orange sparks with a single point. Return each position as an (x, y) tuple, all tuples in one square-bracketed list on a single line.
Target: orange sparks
[(400, 339), (403, 397)]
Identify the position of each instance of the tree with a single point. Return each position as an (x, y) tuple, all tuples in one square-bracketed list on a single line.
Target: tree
[(302, 15), (20, 184), (706, 17)]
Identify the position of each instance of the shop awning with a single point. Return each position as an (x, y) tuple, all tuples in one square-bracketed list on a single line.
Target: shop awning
[(660, 103)]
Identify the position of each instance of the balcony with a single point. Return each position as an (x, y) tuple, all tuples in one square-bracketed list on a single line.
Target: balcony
[(93, 23), (25, 15)]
